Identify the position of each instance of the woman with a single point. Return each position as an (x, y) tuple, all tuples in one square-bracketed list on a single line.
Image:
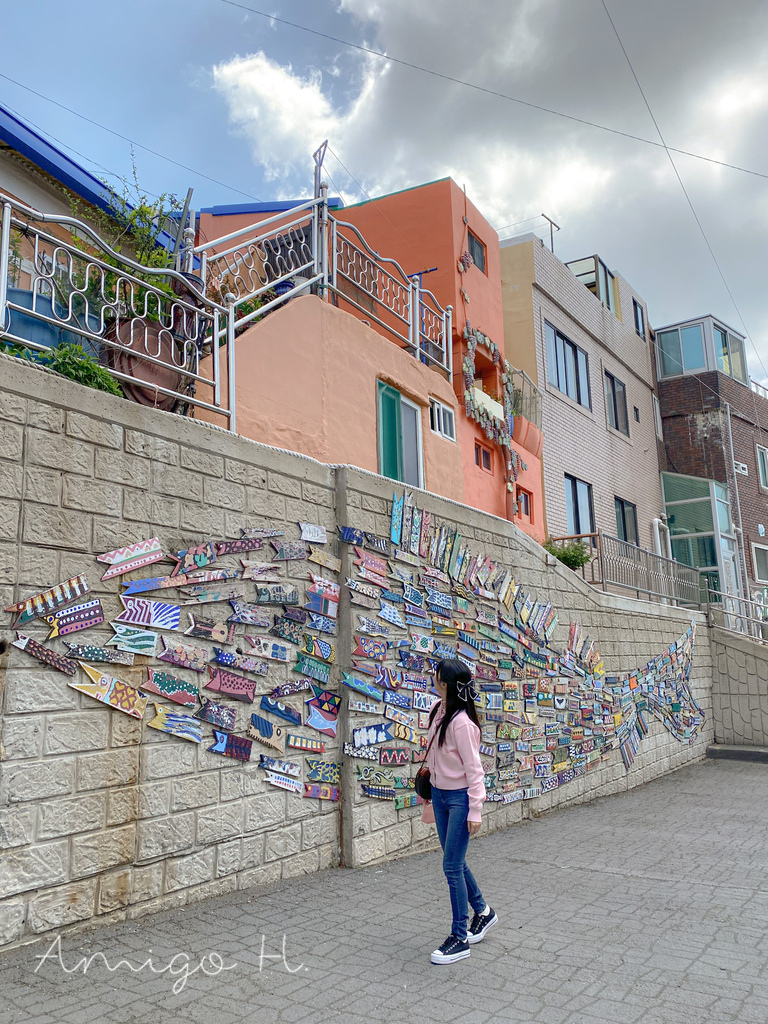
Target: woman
[(458, 792)]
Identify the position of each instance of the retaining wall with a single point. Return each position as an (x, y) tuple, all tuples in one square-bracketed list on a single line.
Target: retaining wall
[(739, 689), (101, 816)]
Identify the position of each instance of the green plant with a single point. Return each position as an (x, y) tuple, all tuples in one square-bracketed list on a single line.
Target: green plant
[(573, 553), (70, 360)]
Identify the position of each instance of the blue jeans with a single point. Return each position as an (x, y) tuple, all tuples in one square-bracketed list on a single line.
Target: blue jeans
[(451, 807)]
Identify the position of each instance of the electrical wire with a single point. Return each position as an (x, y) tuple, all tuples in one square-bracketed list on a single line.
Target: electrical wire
[(487, 91), (125, 138)]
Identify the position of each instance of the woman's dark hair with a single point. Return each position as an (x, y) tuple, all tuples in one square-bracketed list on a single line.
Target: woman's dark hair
[(457, 677)]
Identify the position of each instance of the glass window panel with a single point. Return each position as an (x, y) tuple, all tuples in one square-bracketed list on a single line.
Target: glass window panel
[(761, 563), (692, 341), (681, 488), (639, 318), (682, 550), (570, 373), (561, 377), (721, 492), (671, 356), (583, 370), (693, 517), (704, 551), (721, 350), (570, 505), (621, 407), (723, 516), (762, 465), (631, 516), (584, 505), (738, 365), (549, 334), (410, 434)]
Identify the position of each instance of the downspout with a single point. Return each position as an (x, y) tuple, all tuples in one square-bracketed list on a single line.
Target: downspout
[(740, 531)]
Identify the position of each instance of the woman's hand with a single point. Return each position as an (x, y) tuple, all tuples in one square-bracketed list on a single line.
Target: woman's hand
[(474, 828)]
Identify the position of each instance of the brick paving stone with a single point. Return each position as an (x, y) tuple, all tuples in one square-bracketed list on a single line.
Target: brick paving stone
[(648, 907)]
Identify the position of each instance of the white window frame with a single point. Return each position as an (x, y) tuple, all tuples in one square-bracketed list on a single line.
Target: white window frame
[(419, 437), (638, 309), (763, 483), (437, 415), (761, 547)]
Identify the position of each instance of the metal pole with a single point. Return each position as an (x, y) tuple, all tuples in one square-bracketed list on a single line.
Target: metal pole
[(215, 359), (449, 340), (740, 538), (230, 300), (5, 253), (189, 244), (323, 242), (334, 247)]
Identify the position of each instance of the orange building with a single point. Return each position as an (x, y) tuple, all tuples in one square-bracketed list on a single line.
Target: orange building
[(407, 375)]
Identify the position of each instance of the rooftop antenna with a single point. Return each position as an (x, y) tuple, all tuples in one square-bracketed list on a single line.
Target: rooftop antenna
[(552, 228), (319, 156)]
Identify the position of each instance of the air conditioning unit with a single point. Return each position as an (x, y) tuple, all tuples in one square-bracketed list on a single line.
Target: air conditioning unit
[(741, 467)]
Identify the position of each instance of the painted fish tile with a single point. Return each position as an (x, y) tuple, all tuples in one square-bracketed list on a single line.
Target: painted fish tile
[(287, 629), (45, 654), (321, 623), (90, 652), (283, 711), (413, 545), (249, 614), (372, 562), (134, 556), (284, 782), (185, 727), (197, 557), (140, 611), (371, 735), (374, 774), (113, 692), (321, 605), (238, 747), (396, 519), (372, 627), (317, 670), (326, 560), (210, 629), (268, 733), (378, 792), (363, 706), (306, 743), (261, 572), (313, 533), (350, 535), (380, 544), (231, 685), (207, 594), (277, 594), (292, 686), (361, 686), (184, 655), (249, 532), (317, 648), (289, 550), (321, 791), (187, 579), (48, 600), (217, 714), (325, 587), (166, 685), (232, 660), (365, 753), (73, 619), (390, 614), (397, 699), (396, 715), (238, 547), (367, 647), (133, 640), (277, 765)]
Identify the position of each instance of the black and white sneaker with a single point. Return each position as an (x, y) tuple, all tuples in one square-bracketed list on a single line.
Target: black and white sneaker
[(480, 925), (452, 949)]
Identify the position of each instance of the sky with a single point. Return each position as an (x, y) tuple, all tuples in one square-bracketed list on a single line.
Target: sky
[(236, 103)]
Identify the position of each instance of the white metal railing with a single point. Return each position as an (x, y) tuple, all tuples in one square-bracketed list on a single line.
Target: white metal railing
[(737, 613), (152, 328), (759, 389), (307, 248)]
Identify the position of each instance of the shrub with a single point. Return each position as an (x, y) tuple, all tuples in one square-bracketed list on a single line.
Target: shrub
[(573, 553), (70, 360)]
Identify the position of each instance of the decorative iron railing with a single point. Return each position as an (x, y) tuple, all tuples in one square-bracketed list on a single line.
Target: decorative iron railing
[(308, 249), (737, 613), (152, 328), (618, 563)]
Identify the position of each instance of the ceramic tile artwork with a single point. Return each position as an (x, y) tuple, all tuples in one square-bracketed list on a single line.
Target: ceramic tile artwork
[(323, 771), (111, 691), (172, 687), (365, 753), (275, 707), (45, 654), (196, 557), (217, 714), (350, 535), (238, 747), (317, 670), (133, 640), (90, 652), (210, 629), (321, 791), (375, 774), (269, 733), (249, 614), (241, 661), (324, 559), (184, 655), (321, 623), (289, 550), (231, 685), (317, 648), (306, 743), (361, 686), (183, 580), (128, 559), (262, 647), (313, 533), (396, 519), (238, 547), (261, 572), (48, 600), (279, 594), (284, 782), (292, 686), (207, 594), (185, 727), (142, 611), (287, 629), (278, 765), (74, 619)]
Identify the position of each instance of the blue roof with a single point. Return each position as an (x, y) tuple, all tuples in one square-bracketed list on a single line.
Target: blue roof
[(275, 206), (50, 159)]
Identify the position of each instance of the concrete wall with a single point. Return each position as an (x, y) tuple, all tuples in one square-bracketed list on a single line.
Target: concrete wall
[(101, 816), (739, 689)]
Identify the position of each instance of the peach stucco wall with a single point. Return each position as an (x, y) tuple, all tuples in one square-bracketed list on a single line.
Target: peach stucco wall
[(306, 381)]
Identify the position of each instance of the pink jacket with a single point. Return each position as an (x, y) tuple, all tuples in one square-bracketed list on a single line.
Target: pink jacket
[(456, 764)]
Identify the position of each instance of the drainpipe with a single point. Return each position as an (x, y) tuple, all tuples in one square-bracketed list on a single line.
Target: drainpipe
[(660, 529), (740, 531)]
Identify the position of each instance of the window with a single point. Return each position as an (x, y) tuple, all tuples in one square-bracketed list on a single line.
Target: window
[(637, 415), (524, 504), (762, 465), (476, 250), (578, 506), (729, 352), (657, 418), (639, 318), (760, 562), (441, 420), (594, 274), (400, 455), (484, 457), (681, 350), (626, 520), (567, 366), (616, 403)]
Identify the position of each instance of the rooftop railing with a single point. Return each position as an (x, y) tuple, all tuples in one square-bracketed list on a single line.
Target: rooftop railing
[(61, 283), (618, 563)]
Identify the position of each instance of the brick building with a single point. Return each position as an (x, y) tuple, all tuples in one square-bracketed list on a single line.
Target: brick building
[(715, 454), (580, 332)]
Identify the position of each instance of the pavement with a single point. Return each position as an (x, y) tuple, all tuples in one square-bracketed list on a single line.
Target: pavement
[(647, 907)]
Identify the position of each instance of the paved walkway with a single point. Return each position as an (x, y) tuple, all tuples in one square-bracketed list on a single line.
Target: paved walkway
[(649, 907)]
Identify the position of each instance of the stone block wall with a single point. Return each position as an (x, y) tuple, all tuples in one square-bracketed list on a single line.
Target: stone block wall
[(102, 817), (739, 689)]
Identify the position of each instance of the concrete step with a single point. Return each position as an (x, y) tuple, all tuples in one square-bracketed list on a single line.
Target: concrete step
[(729, 752)]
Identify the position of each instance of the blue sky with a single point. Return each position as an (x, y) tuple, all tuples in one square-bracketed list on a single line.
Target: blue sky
[(246, 101)]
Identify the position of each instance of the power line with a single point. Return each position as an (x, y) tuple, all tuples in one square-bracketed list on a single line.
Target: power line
[(487, 91), (685, 190), (125, 138)]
